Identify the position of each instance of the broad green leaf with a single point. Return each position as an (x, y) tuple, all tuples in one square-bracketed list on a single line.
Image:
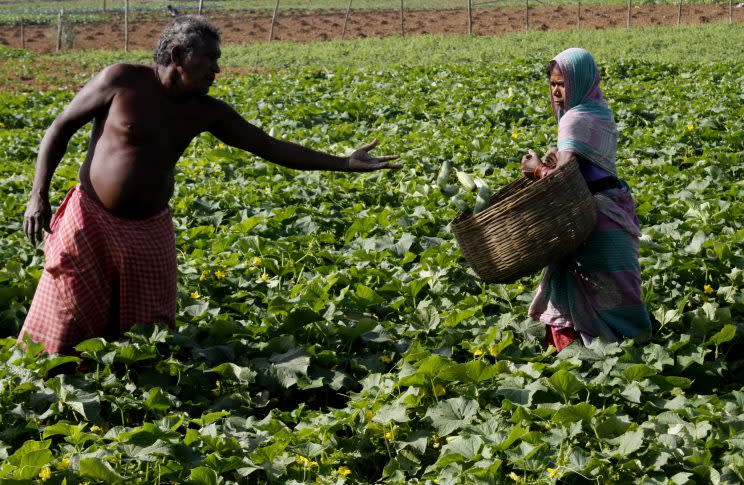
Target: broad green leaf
[(452, 414), (391, 413), (574, 413), (474, 371), (157, 400), (230, 371), (97, 469), (29, 459), (91, 346), (630, 442), (638, 372), (466, 447), (203, 476), (631, 392), (726, 334), (565, 384)]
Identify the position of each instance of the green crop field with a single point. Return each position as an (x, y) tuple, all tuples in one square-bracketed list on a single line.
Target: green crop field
[(329, 330)]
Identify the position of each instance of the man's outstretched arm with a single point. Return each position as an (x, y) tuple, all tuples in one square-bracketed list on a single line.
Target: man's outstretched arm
[(93, 97), (230, 128)]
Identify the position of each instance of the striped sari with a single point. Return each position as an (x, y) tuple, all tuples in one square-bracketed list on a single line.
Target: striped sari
[(595, 292)]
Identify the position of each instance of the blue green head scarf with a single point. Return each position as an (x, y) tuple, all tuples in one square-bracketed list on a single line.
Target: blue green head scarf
[(586, 126)]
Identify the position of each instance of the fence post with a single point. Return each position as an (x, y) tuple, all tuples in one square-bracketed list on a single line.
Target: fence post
[(526, 15), (346, 20), (679, 12), (470, 17), (578, 17), (630, 5), (402, 29), (273, 21), (104, 6), (59, 28), (731, 16), (200, 7), (23, 34), (126, 25)]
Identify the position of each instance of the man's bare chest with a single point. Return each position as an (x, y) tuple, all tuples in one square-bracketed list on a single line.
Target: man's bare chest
[(139, 119)]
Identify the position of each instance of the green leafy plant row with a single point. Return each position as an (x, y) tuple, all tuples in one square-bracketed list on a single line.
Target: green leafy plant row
[(329, 329)]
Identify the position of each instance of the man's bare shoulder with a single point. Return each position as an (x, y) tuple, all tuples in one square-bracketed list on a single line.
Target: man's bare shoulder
[(122, 75), (214, 106)]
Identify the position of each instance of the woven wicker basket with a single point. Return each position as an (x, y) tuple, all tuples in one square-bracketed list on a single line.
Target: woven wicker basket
[(528, 225)]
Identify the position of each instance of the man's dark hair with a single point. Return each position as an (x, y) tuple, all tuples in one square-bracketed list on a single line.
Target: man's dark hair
[(186, 32)]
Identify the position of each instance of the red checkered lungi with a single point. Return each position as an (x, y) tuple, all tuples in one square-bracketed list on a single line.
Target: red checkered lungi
[(103, 274)]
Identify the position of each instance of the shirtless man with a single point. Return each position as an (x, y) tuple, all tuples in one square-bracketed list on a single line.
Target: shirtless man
[(110, 251)]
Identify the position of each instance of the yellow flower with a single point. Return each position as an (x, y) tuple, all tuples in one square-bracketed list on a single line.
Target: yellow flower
[(513, 476), (219, 274), (493, 350), (45, 474), (389, 436), (220, 145), (515, 134), (265, 276), (195, 295), (439, 390), (552, 472), (305, 462), (369, 414), (708, 289), (478, 352), (344, 471), (385, 359), (95, 428), (63, 464), (256, 261), (690, 127), (204, 275)]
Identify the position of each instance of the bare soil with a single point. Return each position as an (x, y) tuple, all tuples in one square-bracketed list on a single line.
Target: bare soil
[(309, 26)]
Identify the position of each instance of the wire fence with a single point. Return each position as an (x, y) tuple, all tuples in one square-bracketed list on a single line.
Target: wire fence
[(479, 17)]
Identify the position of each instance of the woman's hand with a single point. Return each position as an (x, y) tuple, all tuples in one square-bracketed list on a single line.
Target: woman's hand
[(530, 163), (551, 157)]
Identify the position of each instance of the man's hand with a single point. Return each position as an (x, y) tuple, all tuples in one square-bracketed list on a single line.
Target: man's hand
[(37, 218), (362, 161)]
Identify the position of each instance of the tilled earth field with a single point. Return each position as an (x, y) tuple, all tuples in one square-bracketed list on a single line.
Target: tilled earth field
[(307, 25)]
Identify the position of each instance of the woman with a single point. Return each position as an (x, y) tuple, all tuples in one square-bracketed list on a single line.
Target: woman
[(596, 292)]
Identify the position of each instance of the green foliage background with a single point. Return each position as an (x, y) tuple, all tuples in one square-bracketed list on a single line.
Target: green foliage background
[(327, 322)]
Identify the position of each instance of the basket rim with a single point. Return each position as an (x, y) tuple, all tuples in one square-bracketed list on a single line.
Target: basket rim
[(529, 185)]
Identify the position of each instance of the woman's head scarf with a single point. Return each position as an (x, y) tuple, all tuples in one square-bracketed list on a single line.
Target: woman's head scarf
[(586, 125)]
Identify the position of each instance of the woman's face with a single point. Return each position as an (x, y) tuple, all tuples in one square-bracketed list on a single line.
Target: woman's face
[(557, 89)]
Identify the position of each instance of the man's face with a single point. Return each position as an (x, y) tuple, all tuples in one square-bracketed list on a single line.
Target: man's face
[(199, 69)]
